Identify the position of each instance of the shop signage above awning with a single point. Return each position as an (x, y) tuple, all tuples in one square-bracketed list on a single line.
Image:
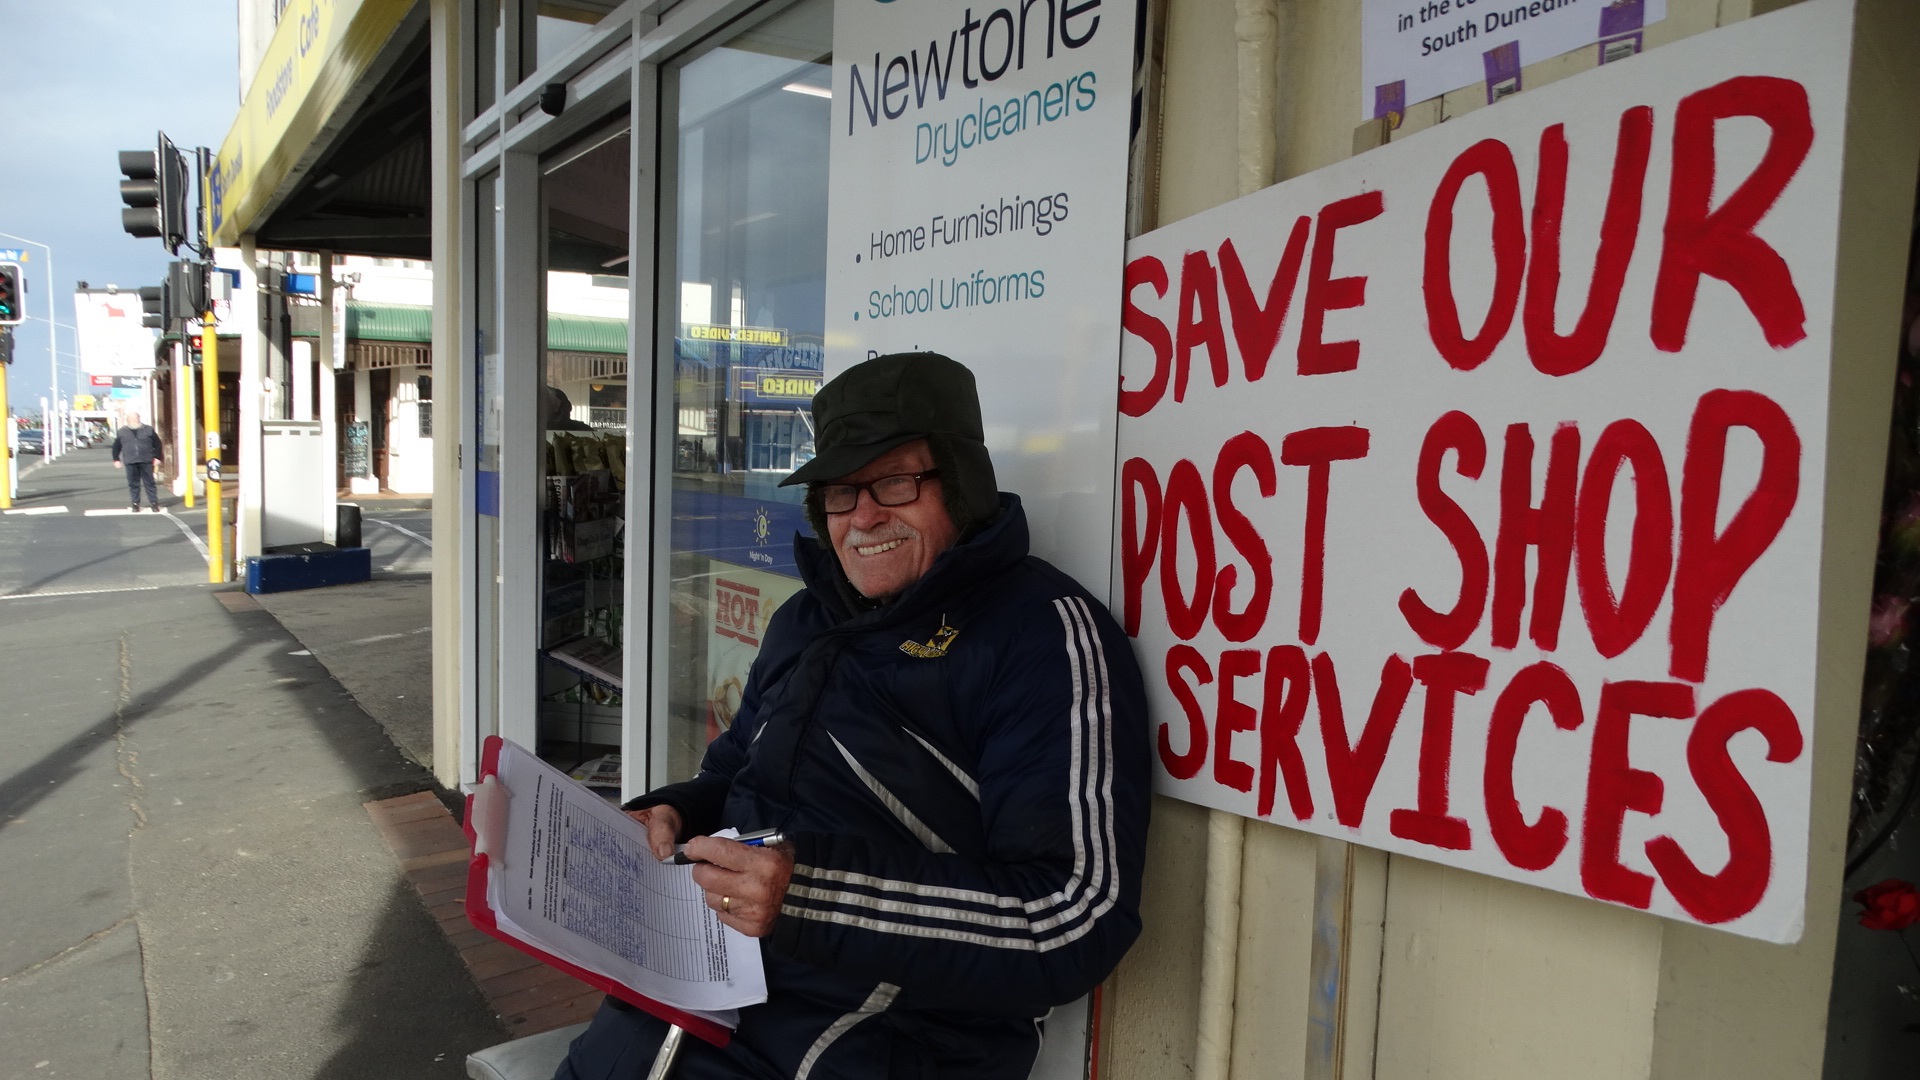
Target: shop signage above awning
[(1473, 489), (319, 55)]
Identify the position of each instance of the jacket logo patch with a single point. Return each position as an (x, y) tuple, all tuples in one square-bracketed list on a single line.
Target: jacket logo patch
[(935, 647)]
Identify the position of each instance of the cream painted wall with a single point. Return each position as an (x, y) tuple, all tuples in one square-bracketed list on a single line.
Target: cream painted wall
[(1152, 1024), (409, 457), (1728, 1006), (1473, 977), (449, 386)]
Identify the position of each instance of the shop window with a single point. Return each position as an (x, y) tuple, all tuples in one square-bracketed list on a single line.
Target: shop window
[(747, 146), (424, 404), (556, 26), (584, 194), (489, 47)]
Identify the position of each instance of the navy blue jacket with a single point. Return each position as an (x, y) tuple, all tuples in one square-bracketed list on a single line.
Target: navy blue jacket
[(964, 777)]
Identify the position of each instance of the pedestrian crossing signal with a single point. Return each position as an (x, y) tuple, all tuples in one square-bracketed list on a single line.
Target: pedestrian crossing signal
[(13, 295)]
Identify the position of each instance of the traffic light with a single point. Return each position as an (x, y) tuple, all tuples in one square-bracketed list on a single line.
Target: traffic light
[(187, 284), (13, 295), (6, 346), (141, 192), (155, 191), (155, 310)]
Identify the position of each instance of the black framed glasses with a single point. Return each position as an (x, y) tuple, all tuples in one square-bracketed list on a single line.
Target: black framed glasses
[(887, 491)]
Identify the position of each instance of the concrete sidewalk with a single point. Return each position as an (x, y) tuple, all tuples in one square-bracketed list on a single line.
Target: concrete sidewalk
[(194, 889), (376, 638)]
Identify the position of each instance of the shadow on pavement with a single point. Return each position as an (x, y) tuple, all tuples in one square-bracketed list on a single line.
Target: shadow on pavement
[(394, 969), (408, 1007), (31, 587)]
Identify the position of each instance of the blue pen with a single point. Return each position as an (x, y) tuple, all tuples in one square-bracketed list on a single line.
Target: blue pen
[(762, 838)]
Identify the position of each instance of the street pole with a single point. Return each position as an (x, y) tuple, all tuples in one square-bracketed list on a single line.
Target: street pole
[(48, 451), (210, 417), (183, 408), (6, 444)]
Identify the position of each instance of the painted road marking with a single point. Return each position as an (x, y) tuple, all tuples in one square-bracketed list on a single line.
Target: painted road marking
[(32, 510), (401, 530), (197, 542), (82, 592)]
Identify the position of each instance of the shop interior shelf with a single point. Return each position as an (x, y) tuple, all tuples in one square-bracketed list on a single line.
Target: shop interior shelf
[(590, 659)]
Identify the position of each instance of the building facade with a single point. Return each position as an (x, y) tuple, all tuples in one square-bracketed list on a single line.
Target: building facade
[(629, 205)]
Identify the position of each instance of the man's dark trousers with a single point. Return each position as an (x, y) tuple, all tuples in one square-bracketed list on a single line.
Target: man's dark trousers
[(138, 473)]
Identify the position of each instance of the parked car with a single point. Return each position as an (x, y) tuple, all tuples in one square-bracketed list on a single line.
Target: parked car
[(32, 442)]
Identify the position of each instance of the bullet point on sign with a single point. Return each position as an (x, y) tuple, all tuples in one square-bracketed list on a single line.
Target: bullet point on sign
[(856, 316), (856, 258)]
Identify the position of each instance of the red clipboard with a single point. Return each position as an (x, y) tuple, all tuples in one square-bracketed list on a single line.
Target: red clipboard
[(482, 917)]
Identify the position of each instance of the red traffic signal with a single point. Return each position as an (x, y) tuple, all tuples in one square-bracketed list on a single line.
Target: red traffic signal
[(13, 295)]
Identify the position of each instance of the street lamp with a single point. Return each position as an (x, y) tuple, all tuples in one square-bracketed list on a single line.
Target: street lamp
[(53, 444)]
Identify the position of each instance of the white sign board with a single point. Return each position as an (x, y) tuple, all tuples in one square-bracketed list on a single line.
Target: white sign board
[(1412, 50), (110, 338), (977, 208), (1471, 489)]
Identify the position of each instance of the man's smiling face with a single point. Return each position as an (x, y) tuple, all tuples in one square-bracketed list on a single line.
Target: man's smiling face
[(884, 549)]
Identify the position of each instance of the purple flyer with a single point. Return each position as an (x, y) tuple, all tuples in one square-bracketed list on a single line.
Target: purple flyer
[(1503, 70), (1390, 101)]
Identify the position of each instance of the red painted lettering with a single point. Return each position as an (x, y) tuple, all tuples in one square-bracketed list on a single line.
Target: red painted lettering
[(1738, 887), (1140, 536), (1353, 768), (1457, 432), (1186, 502), (1146, 270), (1526, 846), (1616, 623), (1283, 705), (1328, 293), (1199, 323), (1492, 161), (1244, 451), (1257, 326), (1444, 677), (1318, 449), (1547, 528), (1615, 787), (1185, 766), (1550, 352), (1710, 566), (1232, 716), (1720, 242)]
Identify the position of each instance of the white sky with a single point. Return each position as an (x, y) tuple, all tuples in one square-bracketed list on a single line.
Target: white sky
[(80, 81)]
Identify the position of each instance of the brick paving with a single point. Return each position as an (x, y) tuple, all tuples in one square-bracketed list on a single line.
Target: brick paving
[(529, 995)]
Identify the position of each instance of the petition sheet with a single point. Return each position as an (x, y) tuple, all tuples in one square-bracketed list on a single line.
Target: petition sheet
[(578, 881)]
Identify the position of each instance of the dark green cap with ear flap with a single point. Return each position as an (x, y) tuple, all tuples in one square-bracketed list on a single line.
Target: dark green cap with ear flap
[(889, 400)]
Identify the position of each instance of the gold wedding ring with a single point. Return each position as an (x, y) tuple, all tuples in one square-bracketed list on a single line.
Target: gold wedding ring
[(726, 904)]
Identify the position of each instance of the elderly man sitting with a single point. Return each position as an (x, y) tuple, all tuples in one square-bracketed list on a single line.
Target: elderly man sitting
[(951, 735)]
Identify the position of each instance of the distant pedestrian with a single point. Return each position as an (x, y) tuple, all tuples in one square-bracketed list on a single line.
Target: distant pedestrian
[(136, 447)]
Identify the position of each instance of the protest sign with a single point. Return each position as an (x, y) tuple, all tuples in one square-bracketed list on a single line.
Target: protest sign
[(1471, 489)]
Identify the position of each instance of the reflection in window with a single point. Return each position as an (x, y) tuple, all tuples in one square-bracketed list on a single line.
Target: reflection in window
[(558, 25), (749, 154), (585, 195), (488, 46)]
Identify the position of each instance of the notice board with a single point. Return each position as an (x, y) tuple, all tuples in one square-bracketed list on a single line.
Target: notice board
[(1471, 489)]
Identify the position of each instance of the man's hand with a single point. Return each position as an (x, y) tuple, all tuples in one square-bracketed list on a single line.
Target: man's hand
[(663, 828), (116, 464), (746, 885), (156, 463)]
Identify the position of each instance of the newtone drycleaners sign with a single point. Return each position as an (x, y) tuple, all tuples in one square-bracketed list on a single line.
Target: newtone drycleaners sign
[(977, 208), (1471, 489)]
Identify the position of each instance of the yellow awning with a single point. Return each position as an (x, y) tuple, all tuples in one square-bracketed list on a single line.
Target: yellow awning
[(319, 54)]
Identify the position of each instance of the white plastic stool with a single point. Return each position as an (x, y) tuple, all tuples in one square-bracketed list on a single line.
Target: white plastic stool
[(535, 1057)]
